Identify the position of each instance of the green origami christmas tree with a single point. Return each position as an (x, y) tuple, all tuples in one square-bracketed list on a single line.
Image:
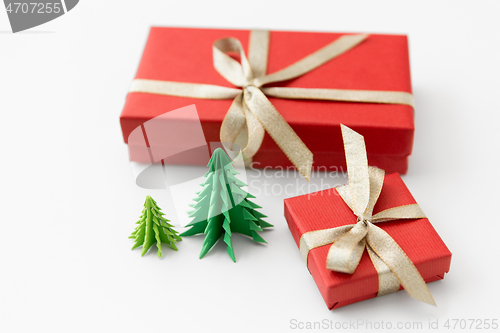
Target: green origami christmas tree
[(222, 207), (153, 228)]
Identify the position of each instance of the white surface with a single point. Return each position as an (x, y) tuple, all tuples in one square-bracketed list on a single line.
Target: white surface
[(69, 202)]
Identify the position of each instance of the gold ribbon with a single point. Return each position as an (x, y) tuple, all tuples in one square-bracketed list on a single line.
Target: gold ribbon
[(348, 242), (251, 110)]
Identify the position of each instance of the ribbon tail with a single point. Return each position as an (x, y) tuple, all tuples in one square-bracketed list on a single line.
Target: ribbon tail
[(237, 116), (399, 263), (376, 182), (388, 283), (279, 130)]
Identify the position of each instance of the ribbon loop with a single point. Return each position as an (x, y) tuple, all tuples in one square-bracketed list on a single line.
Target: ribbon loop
[(357, 170), (313, 239), (344, 255), (258, 50), (376, 176), (238, 73)]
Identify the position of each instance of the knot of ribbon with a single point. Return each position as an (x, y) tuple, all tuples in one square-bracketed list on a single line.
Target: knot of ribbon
[(252, 109), (393, 266)]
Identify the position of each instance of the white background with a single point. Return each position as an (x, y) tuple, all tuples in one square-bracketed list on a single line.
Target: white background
[(69, 200)]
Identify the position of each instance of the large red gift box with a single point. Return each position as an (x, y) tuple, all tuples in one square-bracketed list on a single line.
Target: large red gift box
[(326, 209), (378, 63)]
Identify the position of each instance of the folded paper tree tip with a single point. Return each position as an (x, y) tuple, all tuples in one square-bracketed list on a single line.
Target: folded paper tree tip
[(222, 207), (154, 228)]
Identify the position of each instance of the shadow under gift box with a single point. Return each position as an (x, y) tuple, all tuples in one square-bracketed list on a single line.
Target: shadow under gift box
[(378, 63), (326, 209)]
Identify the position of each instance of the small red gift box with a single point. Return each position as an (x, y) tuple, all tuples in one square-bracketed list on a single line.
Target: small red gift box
[(326, 209), (378, 63)]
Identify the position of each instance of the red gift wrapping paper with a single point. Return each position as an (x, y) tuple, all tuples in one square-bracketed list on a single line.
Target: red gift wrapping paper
[(326, 209), (379, 63)]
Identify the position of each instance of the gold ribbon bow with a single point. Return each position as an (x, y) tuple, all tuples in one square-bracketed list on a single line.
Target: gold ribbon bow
[(251, 106), (361, 194)]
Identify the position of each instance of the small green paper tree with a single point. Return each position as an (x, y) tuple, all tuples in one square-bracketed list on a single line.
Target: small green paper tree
[(154, 228), (222, 207)]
